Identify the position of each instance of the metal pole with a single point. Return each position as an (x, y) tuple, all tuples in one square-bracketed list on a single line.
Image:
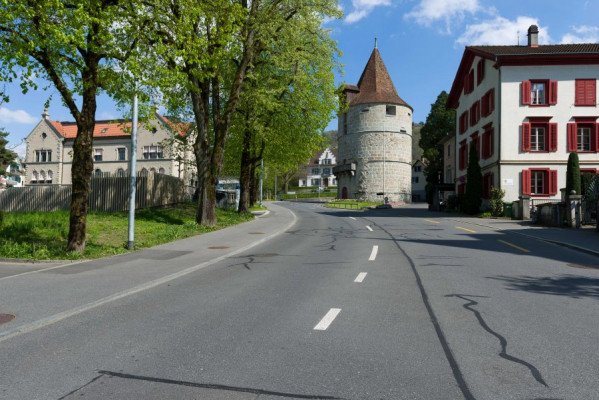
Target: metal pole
[(132, 175), (261, 179), (276, 186), (384, 160)]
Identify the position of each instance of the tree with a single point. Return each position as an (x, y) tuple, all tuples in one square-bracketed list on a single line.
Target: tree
[(573, 175), (439, 122), (75, 45), (496, 201), (6, 156), (207, 49), (474, 184)]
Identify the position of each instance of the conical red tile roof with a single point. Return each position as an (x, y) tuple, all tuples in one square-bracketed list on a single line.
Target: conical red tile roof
[(375, 84)]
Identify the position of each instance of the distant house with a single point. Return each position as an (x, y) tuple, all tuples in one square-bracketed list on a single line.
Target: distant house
[(524, 109), (418, 182), (14, 173), (319, 172), (49, 154)]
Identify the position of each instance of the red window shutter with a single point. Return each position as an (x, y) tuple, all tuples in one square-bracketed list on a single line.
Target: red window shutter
[(552, 136), (596, 139), (580, 92), (552, 92), (552, 182), (526, 182), (526, 137), (591, 92), (572, 142), (525, 95)]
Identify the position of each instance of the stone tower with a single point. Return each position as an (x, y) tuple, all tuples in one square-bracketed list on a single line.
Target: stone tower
[(374, 139)]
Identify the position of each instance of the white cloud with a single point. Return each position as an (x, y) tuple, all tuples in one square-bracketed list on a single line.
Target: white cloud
[(450, 11), (20, 149), (502, 31), (15, 116), (582, 34), (361, 9)]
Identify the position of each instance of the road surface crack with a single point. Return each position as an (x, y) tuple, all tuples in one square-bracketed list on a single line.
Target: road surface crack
[(502, 340)]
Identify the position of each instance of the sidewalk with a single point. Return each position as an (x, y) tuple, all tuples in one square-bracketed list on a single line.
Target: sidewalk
[(585, 239)]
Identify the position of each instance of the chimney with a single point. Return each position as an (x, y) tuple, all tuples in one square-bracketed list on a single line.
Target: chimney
[(45, 114), (533, 36)]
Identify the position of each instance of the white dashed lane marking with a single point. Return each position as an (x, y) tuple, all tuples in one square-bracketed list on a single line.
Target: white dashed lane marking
[(375, 250), (327, 319), (369, 228), (360, 277)]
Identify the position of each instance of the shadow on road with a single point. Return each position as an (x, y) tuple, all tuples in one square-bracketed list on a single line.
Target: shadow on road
[(565, 285)]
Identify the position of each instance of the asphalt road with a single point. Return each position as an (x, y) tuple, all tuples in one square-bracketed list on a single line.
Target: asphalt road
[(310, 303)]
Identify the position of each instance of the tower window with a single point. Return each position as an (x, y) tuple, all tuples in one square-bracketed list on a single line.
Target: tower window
[(364, 110), (391, 110)]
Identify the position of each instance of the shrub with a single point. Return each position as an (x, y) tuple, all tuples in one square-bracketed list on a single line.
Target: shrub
[(573, 175), (496, 201)]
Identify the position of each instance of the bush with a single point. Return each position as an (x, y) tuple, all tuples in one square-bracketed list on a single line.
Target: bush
[(573, 175), (496, 201)]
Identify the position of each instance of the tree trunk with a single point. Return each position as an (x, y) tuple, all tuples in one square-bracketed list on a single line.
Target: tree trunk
[(245, 172), (253, 185)]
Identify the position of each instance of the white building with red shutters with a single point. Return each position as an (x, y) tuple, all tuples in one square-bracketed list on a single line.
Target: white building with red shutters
[(525, 108)]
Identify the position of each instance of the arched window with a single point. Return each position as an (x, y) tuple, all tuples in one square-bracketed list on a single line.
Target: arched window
[(161, 171), (143, 172), (34, 177), (98, 172), (120, 172), (42, 177), (50, 176), (153, 170)]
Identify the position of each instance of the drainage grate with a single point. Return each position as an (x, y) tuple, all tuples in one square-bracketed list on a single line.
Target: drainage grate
[(218, 247), (4, 318)]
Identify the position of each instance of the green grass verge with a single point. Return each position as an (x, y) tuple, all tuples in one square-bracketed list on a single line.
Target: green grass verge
[(43, 235), (352, 204), (307, 196)]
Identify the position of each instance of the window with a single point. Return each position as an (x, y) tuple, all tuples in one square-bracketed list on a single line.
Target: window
[(34, 176), (326, 171), (487, 103), (475, 113), (98, 154), (161, 170), (449, 150), (315, 171), (415, 179), (42, 177), (464, 122), (583, 136), (315, 182), (539, 135), (539, 182), (480, 71), (475, 142), (49, 176), (487, 149), (391, 110), (327, 161), (98, 172), (448, 176), (120, 172), (417, 168), (143, 172), (539, 92), (585, 92), (43, 156), (469, 82), (44, 135), (121, 153), (152, 152)]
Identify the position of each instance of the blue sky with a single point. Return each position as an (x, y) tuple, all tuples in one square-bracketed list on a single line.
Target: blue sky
[(421, 42)]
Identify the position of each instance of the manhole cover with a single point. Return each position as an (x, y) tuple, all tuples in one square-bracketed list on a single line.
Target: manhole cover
[(256, 233), (4, 318), (218, 247)]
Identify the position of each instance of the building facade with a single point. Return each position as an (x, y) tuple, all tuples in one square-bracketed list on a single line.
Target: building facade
[(524, 109), (374, 139), (319, 172), (49, 154), (418, 182)]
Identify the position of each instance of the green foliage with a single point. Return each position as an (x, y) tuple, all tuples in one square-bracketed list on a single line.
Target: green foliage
[(43, 235), (474, 184), (6, 156), (352, 204), (573, 175), (496, 201), (586, 178), (439, 123)]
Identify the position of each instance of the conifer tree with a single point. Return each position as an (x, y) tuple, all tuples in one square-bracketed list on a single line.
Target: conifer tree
[(474, 184), (573, 175)]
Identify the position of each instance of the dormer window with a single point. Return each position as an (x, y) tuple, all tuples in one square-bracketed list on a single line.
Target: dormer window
[(104, 130), (391, 110)]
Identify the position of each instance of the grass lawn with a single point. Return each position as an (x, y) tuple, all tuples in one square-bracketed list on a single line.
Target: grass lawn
[(352, 204), (43, 235)]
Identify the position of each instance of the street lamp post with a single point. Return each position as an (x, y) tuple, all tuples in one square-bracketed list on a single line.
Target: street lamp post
[(132, 176)]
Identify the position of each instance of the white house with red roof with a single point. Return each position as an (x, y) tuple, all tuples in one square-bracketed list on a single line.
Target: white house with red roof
[(319, 171), (525, 108), (49, 153)]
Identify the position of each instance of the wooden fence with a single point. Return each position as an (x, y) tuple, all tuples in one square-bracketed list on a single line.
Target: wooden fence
[(108, 193)]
